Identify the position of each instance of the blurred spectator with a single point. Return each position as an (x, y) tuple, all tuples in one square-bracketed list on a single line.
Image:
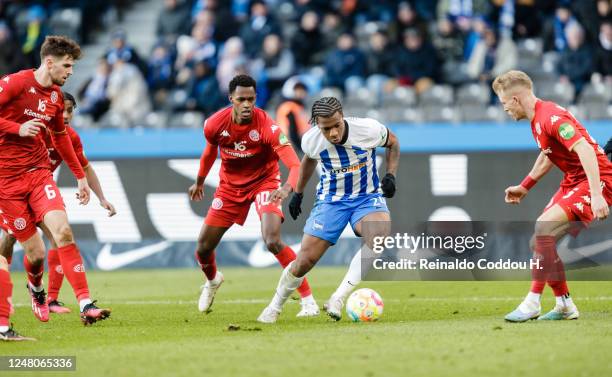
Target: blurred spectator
[(475, 35), (127, 91), (317, 6), (604, 52), (260, 24), (576, 62), (307, 41), (604, 9), (381, 55), (203, 89), (346, 62), (121, 50), (195, 47), (448, 41), (173, 20), (407, 18), (331, 28), (160, 76), (563, 16), (11, 58), (527, 21), (34, 35), (492, 57), (93, 96), (291, 115), (232, 61), (275, 64), (416, 63)]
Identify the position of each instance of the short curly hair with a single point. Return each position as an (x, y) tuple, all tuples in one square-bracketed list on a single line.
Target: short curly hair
[(245, 81), (59, 46)]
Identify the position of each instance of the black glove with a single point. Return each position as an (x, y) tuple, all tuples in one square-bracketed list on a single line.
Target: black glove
[(608, 149), (388, 185), (295, 205)]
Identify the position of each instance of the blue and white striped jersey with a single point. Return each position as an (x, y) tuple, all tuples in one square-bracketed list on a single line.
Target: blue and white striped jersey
[(349, 169)]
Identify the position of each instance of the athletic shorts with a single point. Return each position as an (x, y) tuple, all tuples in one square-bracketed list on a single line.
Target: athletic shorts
[(26, 199), (229, 207), (576, 202), (328, 219)]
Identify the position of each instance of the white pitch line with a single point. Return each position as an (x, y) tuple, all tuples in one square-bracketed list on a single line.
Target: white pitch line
[(262, 301)]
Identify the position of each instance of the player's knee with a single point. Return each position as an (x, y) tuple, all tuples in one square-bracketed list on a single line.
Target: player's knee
[(543, 228), (36, 254), (204, 247), (273, 243), (303, 265), (64, 235)]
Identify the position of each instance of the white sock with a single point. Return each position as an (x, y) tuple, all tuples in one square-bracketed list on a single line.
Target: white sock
[(216, 280), (84, 302), (564, 302), (533, 297), (308, 300), (286, 285), (351, 279), (36, 289), (4, 328)]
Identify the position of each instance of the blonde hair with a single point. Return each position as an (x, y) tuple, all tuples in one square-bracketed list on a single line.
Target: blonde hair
[(512, 79)]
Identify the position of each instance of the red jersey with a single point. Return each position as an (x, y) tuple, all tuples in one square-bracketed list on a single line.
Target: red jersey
[(556, 132), (22, 98), (54, 156), (248, 151)]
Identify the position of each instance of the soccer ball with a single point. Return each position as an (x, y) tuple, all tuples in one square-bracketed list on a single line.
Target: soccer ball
[(364, 305)]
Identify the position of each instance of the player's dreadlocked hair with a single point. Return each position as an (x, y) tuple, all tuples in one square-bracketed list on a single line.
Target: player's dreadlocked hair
[(242, 80), (324, 107)]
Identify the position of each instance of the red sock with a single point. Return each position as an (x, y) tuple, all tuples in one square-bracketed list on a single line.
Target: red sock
[(6, 291), (286, 256), (208, 265), (35, 273), (55, 273), (556, 278), (537, 286), (72, 265)]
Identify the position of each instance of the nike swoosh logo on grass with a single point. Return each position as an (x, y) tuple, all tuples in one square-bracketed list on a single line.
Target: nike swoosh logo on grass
[(578, 253), (107, 261)]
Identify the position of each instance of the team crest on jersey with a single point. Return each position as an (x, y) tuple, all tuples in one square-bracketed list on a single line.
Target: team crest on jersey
[(538, 128), (217, 203), (19, 223), (54, 96), (283, 139), (254, 135), (567, 131)]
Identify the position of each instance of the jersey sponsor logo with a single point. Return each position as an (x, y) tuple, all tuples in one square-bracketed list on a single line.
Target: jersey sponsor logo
[(283, 139), (225, 133), (19, 223), (54, 96), (254, 135), (33, 114), (217, 203), (239, 146), (554, 119), (567, 131), (42, 105), (348, 169)]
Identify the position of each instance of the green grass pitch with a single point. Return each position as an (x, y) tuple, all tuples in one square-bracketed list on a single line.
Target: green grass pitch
[(428, 329)]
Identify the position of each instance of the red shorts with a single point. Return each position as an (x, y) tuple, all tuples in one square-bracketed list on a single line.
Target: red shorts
[(229, 207), (576, 201), (26, 199)]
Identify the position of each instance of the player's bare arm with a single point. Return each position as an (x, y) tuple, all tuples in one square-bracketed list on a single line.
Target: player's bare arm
[(588, 159), (96, 187), (209, 155), (307, 168), (542, 165), (392, 156), (289, 158)]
